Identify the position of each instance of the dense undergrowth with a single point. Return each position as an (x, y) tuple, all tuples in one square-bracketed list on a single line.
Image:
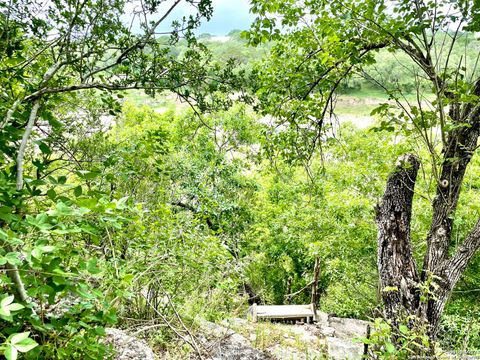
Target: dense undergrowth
[(167, 222), (154, 217)]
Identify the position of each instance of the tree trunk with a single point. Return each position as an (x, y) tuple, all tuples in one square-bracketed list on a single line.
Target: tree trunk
[(401, 286), (316, 275), (396, 265)]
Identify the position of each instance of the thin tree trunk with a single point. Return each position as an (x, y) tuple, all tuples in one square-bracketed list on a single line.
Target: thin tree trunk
[(12, 270), (316, 275), (449, 274), (459, 148)]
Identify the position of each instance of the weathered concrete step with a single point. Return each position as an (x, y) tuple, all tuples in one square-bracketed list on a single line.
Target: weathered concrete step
[(282, 312)]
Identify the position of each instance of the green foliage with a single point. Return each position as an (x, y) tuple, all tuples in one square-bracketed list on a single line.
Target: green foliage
[(17, 343), (133, 216), (180, 255), (331, 217), (63, 200), (460, 332), (351, 45), (405, 340)]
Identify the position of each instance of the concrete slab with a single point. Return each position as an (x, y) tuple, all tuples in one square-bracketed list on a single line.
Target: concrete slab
[(282, 312)]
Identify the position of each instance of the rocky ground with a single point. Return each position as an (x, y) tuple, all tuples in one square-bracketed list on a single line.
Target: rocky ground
[(329, 338), (128, 347), (240, 339)]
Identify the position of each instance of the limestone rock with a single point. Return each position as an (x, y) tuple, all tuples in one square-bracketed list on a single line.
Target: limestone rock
[(341, 349), (228, 345), (229, 349), (340, 335), (330, 337), (327, 331), (128, 347), (348, 328), (322, 318)]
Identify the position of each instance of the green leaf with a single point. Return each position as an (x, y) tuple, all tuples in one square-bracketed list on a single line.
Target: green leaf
[(121, 203), (51, 194), (61, 209), (6, 301), (12, 258), (92, 267), (59, 280), (54, 123), (11, 353), (47, 248), (19, 337), (15, 307), (37, 253), (403, 329), (44, 148), (88, 175), (100, 331), (26, 345), (128, 278), (77, 191), (390, 348)]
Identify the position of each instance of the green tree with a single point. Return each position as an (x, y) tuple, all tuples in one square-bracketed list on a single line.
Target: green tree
[(57, 49), (321, 44), (62, 64)]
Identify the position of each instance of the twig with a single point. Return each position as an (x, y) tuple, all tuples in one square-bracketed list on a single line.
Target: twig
[(13, 269), (113, 253), (316, 274), (288, 296), (184, 327), (145, 328), (165, 320)]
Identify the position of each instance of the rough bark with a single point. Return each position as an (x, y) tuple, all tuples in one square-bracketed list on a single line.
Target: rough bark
[(458, 150), (399, 279), (449, 274), (396, 265), (461, 143)]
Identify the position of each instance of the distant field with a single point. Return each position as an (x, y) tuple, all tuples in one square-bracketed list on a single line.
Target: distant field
[(353, 107), (350, 105)]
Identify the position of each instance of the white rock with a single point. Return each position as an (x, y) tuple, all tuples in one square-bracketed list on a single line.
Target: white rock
[(348, 328), (327, 331), (127, 347), (341, 349)]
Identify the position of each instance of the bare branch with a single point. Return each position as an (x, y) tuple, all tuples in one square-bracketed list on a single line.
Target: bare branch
[(138, 45), (23, 145), (10, 112)]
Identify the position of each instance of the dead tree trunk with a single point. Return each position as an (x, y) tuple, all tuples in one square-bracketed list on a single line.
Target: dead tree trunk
[(396, 265)]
